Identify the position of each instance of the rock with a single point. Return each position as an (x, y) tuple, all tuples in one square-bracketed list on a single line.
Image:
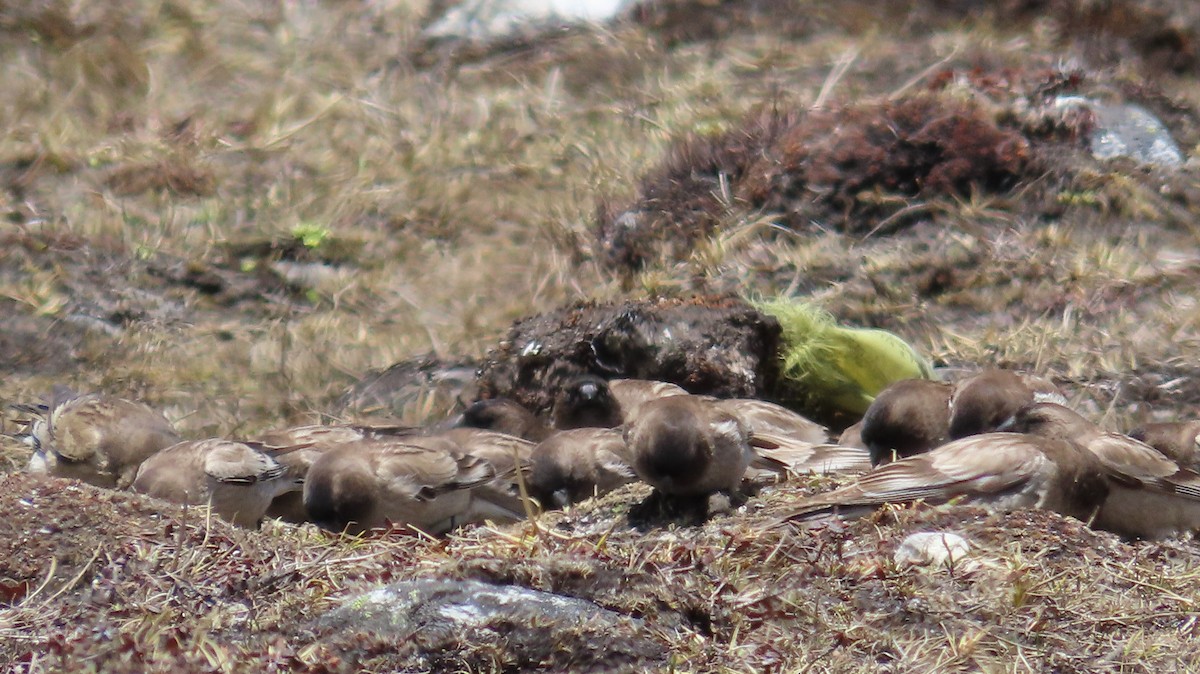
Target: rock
[(1126, 130), (442, 624), (487, 20), (930, 548)]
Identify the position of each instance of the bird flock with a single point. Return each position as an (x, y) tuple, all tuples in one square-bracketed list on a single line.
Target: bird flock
[(998, 438)]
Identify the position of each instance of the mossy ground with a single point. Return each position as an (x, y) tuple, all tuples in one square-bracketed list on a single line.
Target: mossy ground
[(233, 210)]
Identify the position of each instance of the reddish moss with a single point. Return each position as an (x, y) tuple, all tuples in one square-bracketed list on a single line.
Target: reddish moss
[(851, 168)]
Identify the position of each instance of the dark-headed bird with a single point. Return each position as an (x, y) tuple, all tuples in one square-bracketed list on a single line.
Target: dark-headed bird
[(366, 484), (909, 417), (574, 465), (1151, 496), (592, 402), (686, 446), (504, 416)]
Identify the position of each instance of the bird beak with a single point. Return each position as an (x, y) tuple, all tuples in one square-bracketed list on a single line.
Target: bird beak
[(1007, 425), (561, 498)]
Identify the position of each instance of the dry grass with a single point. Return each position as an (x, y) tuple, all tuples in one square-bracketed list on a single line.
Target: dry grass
[(234, 209)]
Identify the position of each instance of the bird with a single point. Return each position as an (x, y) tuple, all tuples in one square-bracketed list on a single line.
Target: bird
[(297, 447), (367, 484), (909, 417), (576, 464), (1151, 497), (98, 439), (1178, 440), (915, 415), (631, 394), (1003, 471), (236, 480), (983, 401), (504, 416), (592, 402), (685, 446), (500, 500)]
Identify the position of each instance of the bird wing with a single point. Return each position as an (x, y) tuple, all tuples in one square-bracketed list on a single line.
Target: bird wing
[(424, 474), (986, 464), (238, 463), (1137, 465), (767, 417), (805, 457)]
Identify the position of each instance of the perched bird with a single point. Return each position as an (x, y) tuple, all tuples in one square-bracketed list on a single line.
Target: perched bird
[(1004, 471), (98, 439), (367, 484), (685, 446), (297, 447), (327, 435), (916, 415), (1178, 440), (586, 402), (983, 401), (631, 394), (504, 416), (909, 417), (592, 402), (236, 480), (1151, 496), (574, 465)]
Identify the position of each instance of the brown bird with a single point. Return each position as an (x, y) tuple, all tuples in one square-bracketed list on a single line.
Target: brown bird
[(574, 465), (504, 416), (98, 439), (1151, 496), (236, 480), (983, 401), (296, 449), (909, 417), (916, 415), (631, 394), (1178, 440), (592, 402), (1004, 471), (327, 435), (685, 446), (367, 484)]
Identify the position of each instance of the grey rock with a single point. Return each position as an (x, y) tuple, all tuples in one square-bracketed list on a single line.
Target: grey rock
[(1127, 130), (463, 623), (485, 20)]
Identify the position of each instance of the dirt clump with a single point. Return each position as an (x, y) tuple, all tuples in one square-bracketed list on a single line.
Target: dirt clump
[(712, 345)]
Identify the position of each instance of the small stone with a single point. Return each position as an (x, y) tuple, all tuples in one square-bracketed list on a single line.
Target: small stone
[(931, 548), (1127, 130)]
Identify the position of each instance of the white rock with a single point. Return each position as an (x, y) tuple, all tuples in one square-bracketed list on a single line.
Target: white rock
[(484, 20), (931, 548)]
